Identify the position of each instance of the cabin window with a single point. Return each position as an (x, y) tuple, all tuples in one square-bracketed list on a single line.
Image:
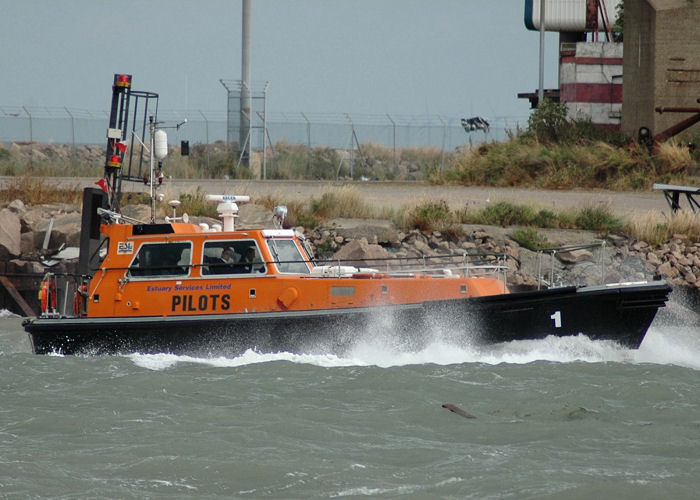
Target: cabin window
[(232, 257), (162, 259), (287, 256)]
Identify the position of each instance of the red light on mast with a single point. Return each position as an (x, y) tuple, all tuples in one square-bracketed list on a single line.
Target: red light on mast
[(122, 80), (115, 161)]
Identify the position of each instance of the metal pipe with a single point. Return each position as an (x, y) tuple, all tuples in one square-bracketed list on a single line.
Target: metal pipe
[(677, 128), (676, 109)]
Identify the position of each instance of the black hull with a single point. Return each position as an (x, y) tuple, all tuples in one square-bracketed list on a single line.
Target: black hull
[(620, 313)]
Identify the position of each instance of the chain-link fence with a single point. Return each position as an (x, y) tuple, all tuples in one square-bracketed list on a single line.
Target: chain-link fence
[(341, 131)]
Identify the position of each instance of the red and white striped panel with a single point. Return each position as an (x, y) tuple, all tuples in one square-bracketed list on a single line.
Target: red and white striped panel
[(590, 82)]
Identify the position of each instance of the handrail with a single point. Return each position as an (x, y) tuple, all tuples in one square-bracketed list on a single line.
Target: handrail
[(569, 248)]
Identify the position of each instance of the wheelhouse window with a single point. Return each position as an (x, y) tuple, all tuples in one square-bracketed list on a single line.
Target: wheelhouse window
[(287, 255), (232, 257), (161, 260)]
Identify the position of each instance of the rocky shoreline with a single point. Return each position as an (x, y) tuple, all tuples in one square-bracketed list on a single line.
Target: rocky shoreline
[(677, 261), (26, 249)]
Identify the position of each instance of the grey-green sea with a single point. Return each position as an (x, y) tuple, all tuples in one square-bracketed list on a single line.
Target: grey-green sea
[(555, 418)]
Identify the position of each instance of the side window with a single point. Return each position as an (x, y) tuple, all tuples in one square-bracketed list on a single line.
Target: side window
[(287, 256), (232, 257), (162, 259)]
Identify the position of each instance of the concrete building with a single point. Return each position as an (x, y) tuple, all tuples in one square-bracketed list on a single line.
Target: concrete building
[(661, 63), (590, 81)]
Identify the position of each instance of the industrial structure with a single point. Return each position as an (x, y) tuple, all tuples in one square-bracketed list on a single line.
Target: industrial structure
[(660, 63), (590, 71)]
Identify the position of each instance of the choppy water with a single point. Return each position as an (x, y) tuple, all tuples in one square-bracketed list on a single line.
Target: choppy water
[(557, 418)]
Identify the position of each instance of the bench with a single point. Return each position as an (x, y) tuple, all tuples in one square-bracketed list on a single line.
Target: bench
[(673, 194)]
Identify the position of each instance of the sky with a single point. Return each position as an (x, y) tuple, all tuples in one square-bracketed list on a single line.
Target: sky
[(409, 57)]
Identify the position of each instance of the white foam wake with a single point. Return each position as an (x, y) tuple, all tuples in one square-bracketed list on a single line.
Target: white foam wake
[(661, 346), (4, 313), (671, 346)]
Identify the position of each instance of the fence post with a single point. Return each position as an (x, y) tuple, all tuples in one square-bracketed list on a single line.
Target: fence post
[(308, 142), (31, 136), (352, 147), (444, 131), (72, 131), (206, 131), (393, 126)]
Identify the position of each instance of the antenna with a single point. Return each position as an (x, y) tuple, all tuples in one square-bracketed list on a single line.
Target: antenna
[(174, 204), (227, 207)]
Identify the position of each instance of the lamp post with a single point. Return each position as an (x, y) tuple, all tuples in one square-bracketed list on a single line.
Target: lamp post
[(540, 92), (245, 107)]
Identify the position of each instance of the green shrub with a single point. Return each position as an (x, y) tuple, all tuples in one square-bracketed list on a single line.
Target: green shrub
[(195, 204), (507, 214), (432, 216), (545, 218), (529, 238), (307, 221), (598, 219), (547, 121)]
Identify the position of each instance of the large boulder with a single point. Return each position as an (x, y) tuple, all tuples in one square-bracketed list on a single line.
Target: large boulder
[(575, 256), (253, 216), (361, 253), (32, 217), (375, 231), (10, 234), (18, 207), (139, 212)]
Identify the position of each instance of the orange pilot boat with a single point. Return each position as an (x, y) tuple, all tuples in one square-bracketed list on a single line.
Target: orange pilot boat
[(180, 287)]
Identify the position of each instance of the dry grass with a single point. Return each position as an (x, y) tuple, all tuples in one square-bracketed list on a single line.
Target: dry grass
[(34, 190), (656, 230), (529, 163), (343, 201), (673, 156)]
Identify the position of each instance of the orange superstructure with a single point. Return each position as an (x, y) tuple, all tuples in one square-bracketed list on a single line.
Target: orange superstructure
[(169, 269)]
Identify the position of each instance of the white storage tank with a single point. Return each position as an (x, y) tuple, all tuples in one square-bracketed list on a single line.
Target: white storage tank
[(567, 15)]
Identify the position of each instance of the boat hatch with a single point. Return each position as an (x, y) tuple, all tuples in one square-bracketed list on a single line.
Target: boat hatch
[(278, 233), (145, 229)]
